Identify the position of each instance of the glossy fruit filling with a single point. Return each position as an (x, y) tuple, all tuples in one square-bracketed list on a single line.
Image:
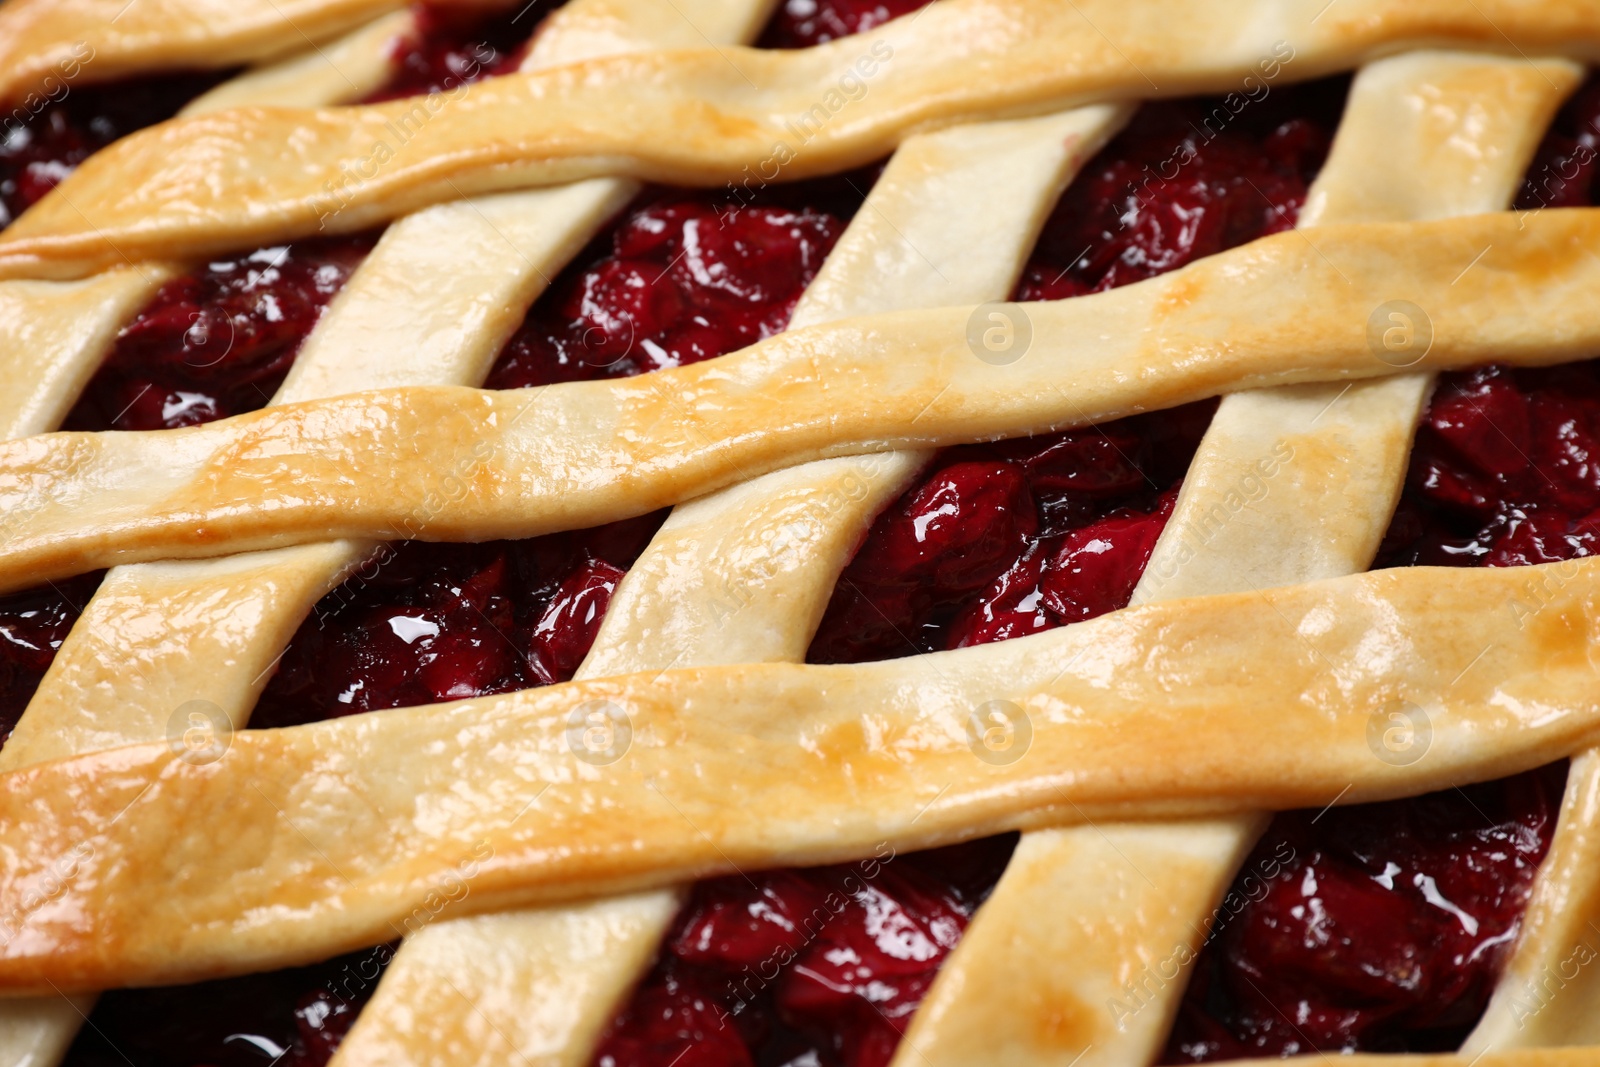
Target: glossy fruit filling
[(681, 277), (52, 130), (218, 341), (818, 966), (1376, 927), (289, 1018), (1185, 179), (456, 45), (423, 623), (1003, 540), (803, 23), (33, 623)]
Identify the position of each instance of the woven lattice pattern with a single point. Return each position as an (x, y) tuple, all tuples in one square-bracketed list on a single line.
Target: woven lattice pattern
[(1260, 667)]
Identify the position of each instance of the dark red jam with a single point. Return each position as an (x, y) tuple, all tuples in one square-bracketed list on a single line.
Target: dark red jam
[(1008, 539), (822, 966), (1505, 471), (681, 277), (219, 341), (292, 1018), (423, 623), (33, 623), (1186, 179), (1563, 170), (1377, 927), (456, 45), (58, 126), (803, 23)]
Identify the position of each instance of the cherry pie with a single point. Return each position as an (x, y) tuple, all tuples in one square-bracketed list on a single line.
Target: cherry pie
[(809, 533)]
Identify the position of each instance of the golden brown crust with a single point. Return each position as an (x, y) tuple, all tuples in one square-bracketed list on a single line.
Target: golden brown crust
[(223, 181), (85, 41), (338, 831), (1127, 903), (461, 464)]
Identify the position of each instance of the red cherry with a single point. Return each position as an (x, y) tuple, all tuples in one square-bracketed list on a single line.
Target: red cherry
[(566, 631), (1379, 926), (676, 1017), (1486, 422), (804, 23), (960, 528), (1186, 179), (217, 342), (454, 46), (680, 278), (736, 925), (1013, 606), (1098, 565)]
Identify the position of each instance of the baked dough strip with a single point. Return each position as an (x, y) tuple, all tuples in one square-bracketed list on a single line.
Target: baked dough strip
[(462, 464), (339, 830), (1131, 906), (742, 576), (87, 41), (255, 176)]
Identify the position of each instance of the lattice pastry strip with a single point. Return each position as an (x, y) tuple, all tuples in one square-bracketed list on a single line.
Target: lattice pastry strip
[(728, 109), (714, 586), (40, 38), (577, 455), (1419, 129), (341, 828)]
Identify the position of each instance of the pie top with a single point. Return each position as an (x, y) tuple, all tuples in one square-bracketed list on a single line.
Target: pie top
[(415, 330)]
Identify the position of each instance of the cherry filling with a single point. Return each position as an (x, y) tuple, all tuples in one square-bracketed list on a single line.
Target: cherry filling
[(803, 23), (820, 966), (681, 277), (51, 131), (33, 623), (423, 623), (1186, 179), (455, 46), (1505, 471), (1377, 927), (219, 341), (292, 1018), (1008, 539)]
